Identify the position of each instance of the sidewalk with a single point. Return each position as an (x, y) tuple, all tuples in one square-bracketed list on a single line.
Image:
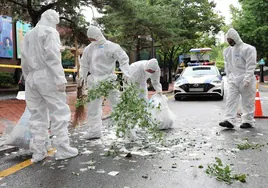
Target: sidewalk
[(12, 109)]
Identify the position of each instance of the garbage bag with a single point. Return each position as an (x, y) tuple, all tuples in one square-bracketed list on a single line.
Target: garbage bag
[(160, 111), (20, 135)]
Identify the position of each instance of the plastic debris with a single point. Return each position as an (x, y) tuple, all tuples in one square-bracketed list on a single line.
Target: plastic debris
[(113, 173), (86, 152), (101, 171), (91, 167), (83, 169), (88, 163)]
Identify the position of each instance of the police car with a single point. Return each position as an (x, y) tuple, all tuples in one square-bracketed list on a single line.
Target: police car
[(200, 79)]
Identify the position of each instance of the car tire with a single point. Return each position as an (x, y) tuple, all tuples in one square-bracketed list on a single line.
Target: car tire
[(178, 98), (221, 97)]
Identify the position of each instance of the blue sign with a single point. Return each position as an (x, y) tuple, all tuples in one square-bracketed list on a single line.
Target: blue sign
[(261, 62), (6, 37)]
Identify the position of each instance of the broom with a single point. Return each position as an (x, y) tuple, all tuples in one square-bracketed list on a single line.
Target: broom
[(80, 111)]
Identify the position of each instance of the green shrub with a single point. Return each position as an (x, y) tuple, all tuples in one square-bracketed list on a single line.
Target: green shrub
[(6, 79)]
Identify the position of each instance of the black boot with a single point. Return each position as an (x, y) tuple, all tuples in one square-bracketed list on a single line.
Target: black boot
[(226, 124), (245, 126)]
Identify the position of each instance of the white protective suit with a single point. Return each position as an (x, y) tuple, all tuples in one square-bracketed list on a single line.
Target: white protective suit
[(139, 75), (240, 63), (45, 88), (99, 58)]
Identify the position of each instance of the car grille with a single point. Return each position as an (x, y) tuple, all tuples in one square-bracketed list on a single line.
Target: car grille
[(206, 87)]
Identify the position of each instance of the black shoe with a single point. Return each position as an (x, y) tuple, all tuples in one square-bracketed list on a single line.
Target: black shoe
[(226, 124), (245, 126)]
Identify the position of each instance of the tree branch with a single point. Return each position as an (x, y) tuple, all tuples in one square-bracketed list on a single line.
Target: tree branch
[(15, 2), (29, 7), (46, 7)]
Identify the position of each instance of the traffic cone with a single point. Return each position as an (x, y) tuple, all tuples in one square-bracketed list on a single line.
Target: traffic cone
[(258, 108)]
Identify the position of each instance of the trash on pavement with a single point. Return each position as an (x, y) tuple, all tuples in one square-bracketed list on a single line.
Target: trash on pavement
[(113, 173)]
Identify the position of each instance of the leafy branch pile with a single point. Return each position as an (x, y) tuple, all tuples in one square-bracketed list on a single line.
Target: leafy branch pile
[(132, 111), (247, 145), (102, 90), (224, 173)]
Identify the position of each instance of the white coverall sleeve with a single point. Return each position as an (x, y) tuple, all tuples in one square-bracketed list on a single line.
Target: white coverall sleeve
[(52, 57), (84, 64), (121, 56), (226, 64), (155, 79), (250, 58), (24, 67)]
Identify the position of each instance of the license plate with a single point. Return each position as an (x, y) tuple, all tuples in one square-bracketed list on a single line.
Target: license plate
[(196, 89)]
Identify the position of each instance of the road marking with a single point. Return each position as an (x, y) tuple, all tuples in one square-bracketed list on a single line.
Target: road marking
[(20, 166)]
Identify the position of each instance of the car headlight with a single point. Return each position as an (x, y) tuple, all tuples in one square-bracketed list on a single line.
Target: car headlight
[(216, 81)]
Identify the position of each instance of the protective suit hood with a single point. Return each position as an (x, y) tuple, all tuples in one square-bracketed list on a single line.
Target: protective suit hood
[(233, 34), (49, 18), (95, 33), (152, 64)]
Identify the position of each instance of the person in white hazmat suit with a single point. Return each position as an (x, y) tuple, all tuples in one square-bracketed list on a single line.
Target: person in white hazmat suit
[(240, 63), (45, 88), (99, 58), (141, 71)]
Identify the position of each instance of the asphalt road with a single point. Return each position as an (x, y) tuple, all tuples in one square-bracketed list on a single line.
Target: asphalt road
[(194, 142)]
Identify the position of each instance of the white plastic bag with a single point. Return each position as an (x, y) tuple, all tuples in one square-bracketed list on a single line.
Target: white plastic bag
[(20, 135), (161, 111)]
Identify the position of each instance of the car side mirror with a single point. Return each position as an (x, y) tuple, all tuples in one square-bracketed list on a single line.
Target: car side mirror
[(223, 74)]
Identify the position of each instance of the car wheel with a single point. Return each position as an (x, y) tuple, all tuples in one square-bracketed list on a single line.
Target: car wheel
[(177, 98), (221, 97)]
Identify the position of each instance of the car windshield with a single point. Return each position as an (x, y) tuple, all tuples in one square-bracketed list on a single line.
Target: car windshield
[(199, 71)]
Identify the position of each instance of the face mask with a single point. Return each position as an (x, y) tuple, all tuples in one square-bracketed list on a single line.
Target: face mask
[(231, 42)]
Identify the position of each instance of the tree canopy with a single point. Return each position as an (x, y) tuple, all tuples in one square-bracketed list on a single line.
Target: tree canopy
[(252, 24), (70, 12), (176, 26)]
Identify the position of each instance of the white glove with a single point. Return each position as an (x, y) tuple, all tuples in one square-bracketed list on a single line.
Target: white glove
[(246, 84), (61, 88)]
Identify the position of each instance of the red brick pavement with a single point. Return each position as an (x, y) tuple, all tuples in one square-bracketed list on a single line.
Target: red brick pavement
[(11, 110)]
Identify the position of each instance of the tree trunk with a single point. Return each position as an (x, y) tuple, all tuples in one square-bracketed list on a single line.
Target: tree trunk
[(76, 56), (164, 67), (138, 50), (170, 65)]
